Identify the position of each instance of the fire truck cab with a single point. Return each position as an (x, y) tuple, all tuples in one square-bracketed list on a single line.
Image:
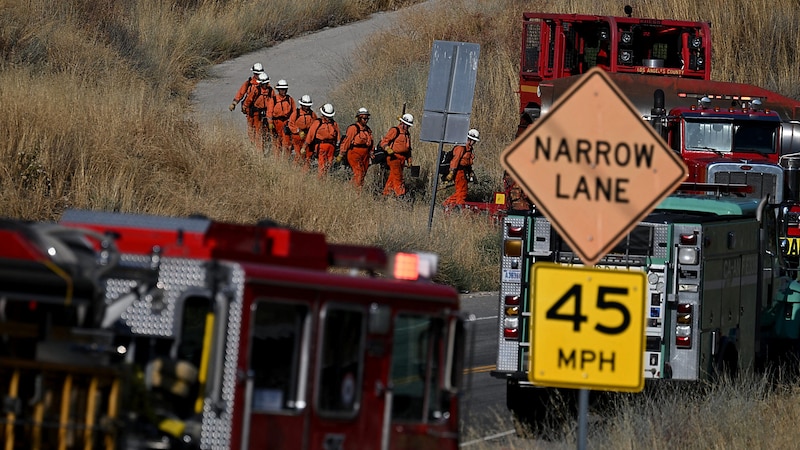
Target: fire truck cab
[(143, 332), (739, 144)]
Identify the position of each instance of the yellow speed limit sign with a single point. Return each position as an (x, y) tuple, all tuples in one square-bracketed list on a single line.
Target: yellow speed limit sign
[(587, 328)]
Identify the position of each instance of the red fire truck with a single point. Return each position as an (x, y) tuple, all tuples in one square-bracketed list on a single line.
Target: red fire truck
[(556, 46), (144, 332)]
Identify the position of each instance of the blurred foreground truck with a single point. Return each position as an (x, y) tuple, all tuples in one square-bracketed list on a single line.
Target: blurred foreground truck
[(721, 255), (122, 331)]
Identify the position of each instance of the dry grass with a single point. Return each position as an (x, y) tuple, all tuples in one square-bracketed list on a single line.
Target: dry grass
[(95, 93), (753, 411)]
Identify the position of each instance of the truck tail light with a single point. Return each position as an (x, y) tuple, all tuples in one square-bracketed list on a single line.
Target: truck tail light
[(512, 247), (683, 325), (511, 320), (511, 327), (687, 253), (514, 231)]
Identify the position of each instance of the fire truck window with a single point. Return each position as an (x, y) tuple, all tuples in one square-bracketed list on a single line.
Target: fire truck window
[(275, 355), (341, 363), (532, 46), (570, 48), (415, 373), (758, 138), (193, 329), (704, 136)]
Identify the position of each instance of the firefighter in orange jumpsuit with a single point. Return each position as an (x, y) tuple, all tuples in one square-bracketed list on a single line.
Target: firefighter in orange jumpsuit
[(322, 137), (299, 122), (258, 101), (279, 108), (356, 146), (249, 86), (397, 144), (461, 168)]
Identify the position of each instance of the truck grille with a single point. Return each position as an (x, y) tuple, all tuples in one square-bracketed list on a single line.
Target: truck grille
[(763, 178)]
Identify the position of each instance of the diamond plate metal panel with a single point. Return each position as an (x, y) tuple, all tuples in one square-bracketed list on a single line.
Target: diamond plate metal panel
[(217, 423), (154, 313), (510, 285)]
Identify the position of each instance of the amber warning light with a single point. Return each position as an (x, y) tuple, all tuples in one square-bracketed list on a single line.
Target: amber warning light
[(413, 266)]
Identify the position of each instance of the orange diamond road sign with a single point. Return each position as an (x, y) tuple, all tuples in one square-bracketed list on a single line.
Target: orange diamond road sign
[(593, 166)]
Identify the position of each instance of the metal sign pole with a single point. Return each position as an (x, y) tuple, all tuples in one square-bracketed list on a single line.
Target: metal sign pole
[(435, 175), (583, 412)]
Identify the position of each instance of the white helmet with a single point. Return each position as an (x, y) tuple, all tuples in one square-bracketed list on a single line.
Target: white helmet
[(362, 112), (257, 67), (473, 135), (282, 84), (327, 110), (263, 78), (305, 100), (407, 119)]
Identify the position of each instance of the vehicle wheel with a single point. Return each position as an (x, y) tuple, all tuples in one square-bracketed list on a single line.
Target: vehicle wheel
[(727, 366)]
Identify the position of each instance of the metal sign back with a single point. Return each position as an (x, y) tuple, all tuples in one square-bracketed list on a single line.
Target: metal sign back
[(450, 91)]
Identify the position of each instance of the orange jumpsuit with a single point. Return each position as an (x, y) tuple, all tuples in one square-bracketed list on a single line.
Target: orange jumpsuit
[(356, 147), (279, 108), (324, 133), (258, 102), (250, 85), (461, 165), (399, 141), (299, 122)]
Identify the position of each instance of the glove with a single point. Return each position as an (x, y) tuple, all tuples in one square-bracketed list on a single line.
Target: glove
[(271, 126), (449, 176), (232, 107), (302, 134), (389, 151), (339, 158)]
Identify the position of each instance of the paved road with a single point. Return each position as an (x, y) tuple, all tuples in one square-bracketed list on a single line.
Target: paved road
[(484, 413), (312, 64)]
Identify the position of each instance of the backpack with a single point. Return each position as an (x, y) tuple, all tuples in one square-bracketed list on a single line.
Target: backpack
[(379, 155), (444, 164)]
